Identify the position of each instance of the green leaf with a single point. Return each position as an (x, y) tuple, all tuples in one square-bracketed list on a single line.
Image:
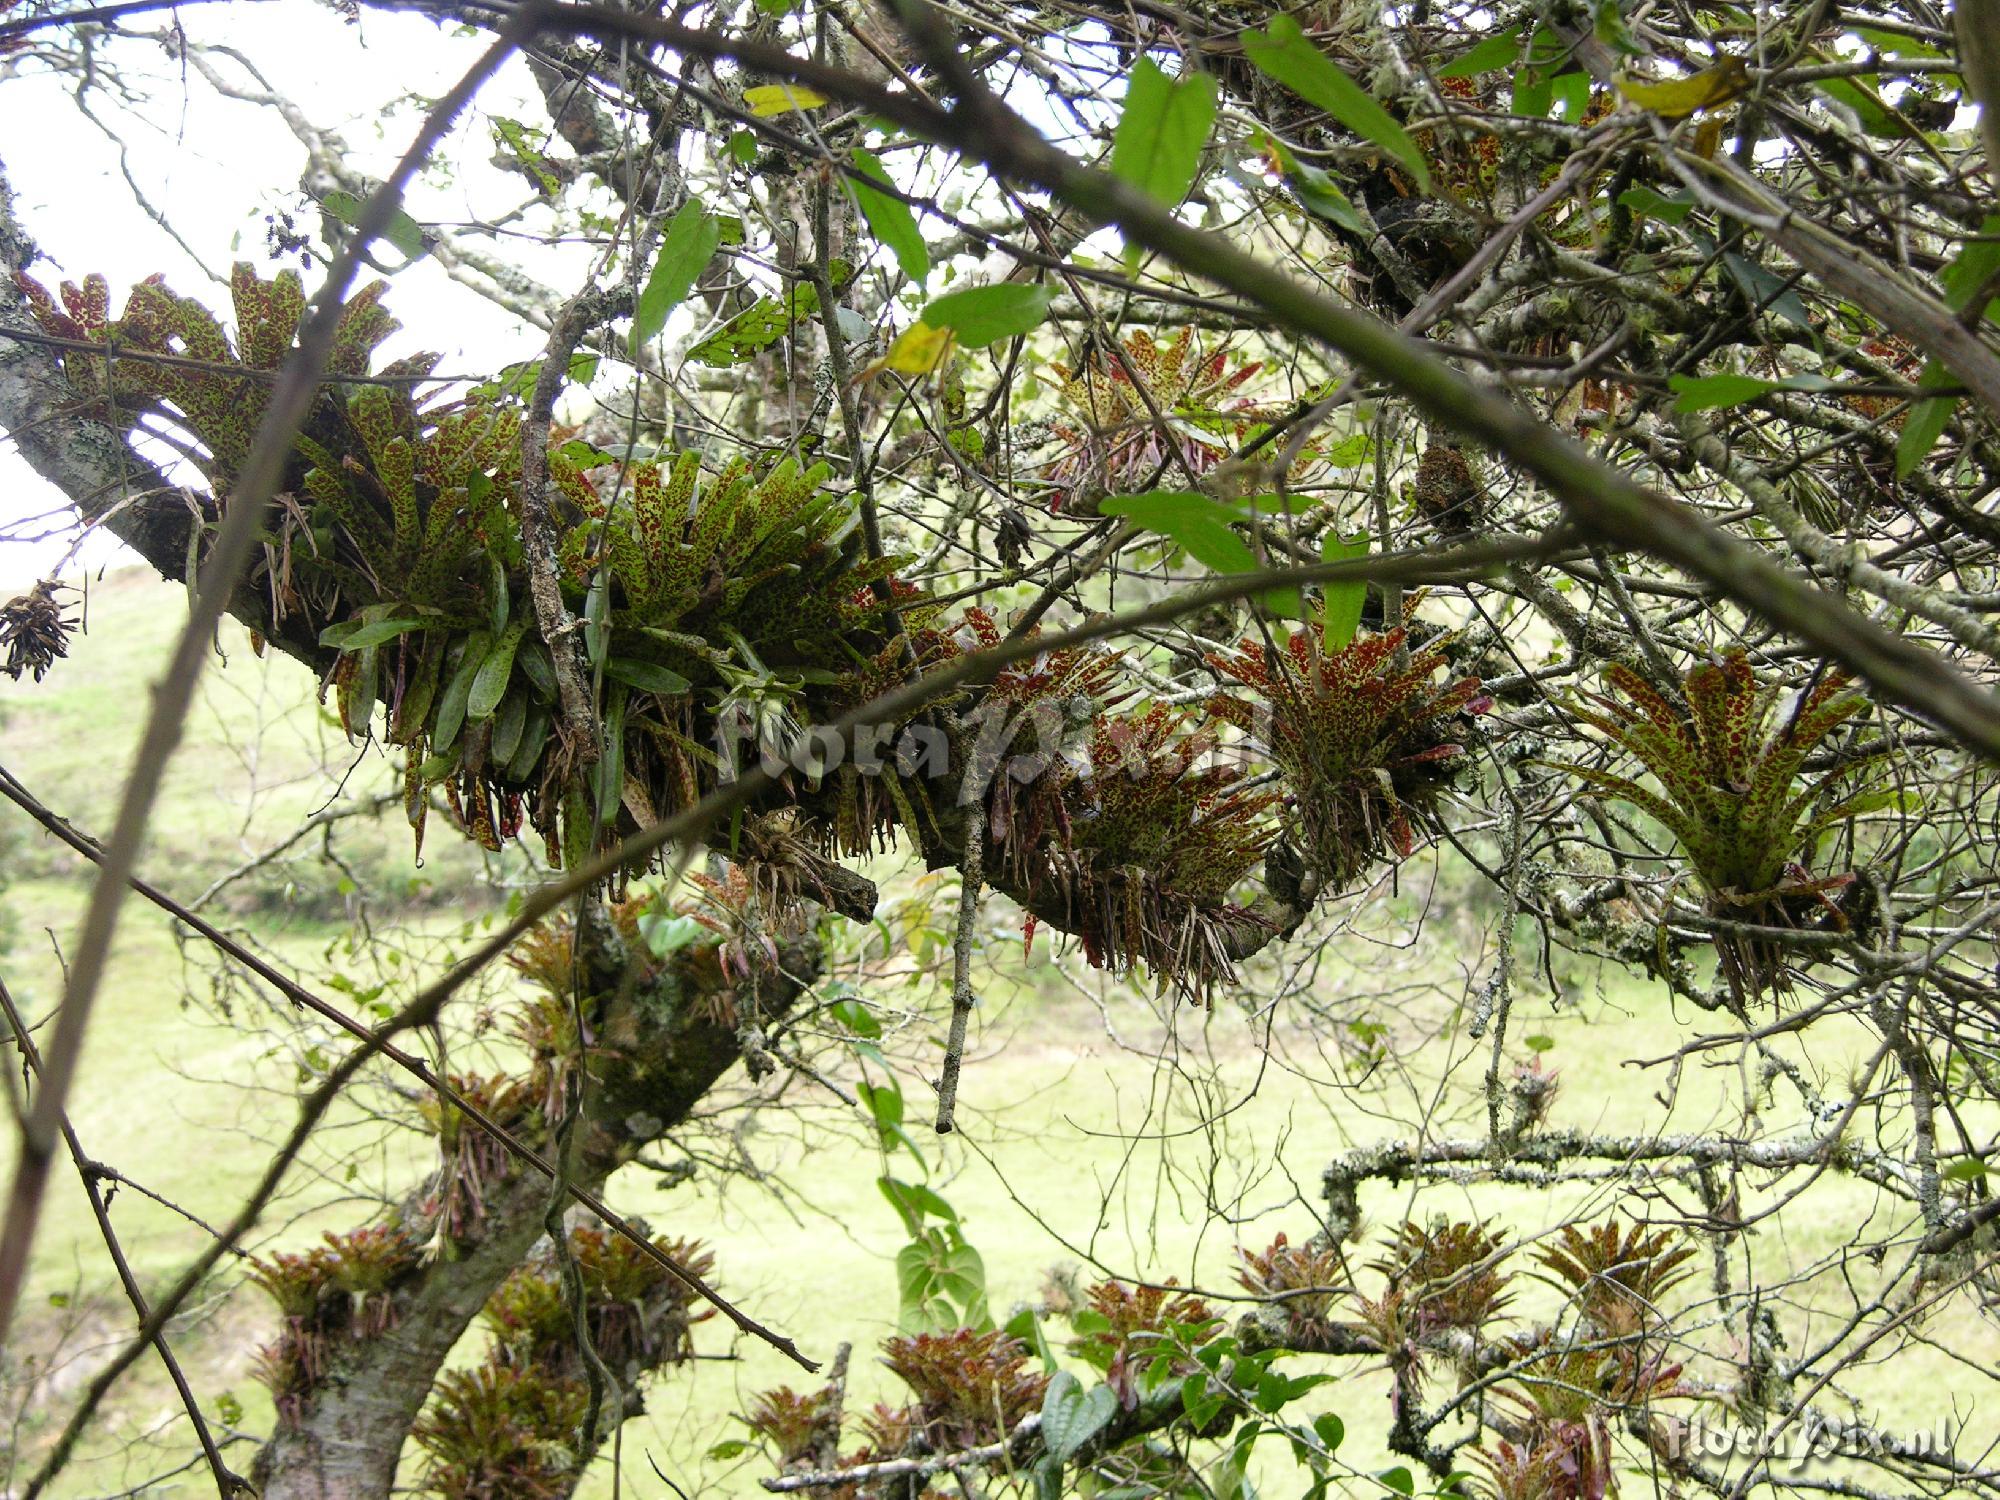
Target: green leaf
[(1676, 98), (1876, 118), (1495, 52), (1343, 600), (983, 315), (1284, 52), (1351, 452), (667, 935), (402, 231), (451, 707), (352, 635), (1769, 293), (1316, 191), (1706, 392), (1330, 1430), (1072, 1416), (913, 1200), (769, 99), (1973, 268), (1969, 1170), (1537, 1042), (646, 676), (890, 219), (1199, 526), (509, 724), (1164, 125), (1926, 421), (1668, 210), (1399, 1480), (1572, 92), (685, 249), (756, 327), (732, 1448), (1272, 1392), (489, 685), (610, 788), (856, 1017), (884, 1102)]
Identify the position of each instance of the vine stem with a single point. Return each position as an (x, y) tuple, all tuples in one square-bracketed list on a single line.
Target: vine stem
[(971, 876)]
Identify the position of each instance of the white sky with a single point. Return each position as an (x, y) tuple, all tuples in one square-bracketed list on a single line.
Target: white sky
[(216, 166)]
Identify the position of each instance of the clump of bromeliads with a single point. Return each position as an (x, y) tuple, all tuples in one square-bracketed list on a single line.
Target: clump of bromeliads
[(395, 542), (339, 1292), (1365, 736), (731, 603), (1731, 795), (517, 1424)]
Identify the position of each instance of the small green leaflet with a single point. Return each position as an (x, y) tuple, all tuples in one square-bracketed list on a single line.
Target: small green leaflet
[(402, 231), (1200, 527), (1500, 51), (648, 677), (1859, 96), (1343, 600), (1157, 146), (983, 315), (1643, 200), (1974, 268), (890, 219), (1926, 422), (685, 250), (1285, 53), (1572, 92), (757, 327), (525, 148), (353, 635), (1706, 392), (1316, 192), (518, 380)]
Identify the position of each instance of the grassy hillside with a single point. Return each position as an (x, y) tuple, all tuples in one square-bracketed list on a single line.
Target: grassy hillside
[(1094, 1137)]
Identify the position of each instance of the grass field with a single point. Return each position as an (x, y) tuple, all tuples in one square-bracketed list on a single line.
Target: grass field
[(1093, 1135)]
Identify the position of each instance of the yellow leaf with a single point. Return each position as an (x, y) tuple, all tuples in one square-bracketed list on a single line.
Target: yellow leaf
[(781, 98), (918, 350), (1675, 98)]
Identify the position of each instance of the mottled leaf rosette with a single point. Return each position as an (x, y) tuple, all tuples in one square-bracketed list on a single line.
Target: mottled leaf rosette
[(1113, 442), (1730, 793), (1363, 735)]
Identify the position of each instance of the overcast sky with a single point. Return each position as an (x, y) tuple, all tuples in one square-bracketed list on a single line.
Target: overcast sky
[(216, 167)]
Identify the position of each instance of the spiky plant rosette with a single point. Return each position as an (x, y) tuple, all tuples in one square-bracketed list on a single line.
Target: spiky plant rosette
[(1111, 440), (1450, 1272), (798, 1426), (1731, 795), (1564, 1390), (502, 1432), (1618, 1277), (971, 1387), (1302, 1282), (1125, 1328), (639, 1314), (470, 1160), (1363, 735), (1139, 853)]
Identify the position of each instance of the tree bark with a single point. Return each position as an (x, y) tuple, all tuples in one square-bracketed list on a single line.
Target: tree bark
[(348, 1441)]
